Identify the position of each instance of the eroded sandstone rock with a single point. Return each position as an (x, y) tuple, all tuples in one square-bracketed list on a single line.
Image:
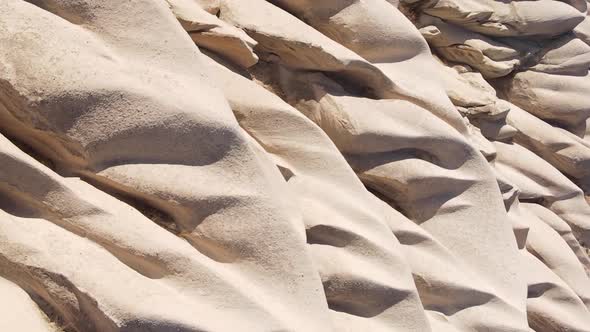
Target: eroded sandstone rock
[(294, 165)]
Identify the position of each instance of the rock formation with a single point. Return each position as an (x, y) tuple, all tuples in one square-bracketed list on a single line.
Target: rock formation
[(294, 165)]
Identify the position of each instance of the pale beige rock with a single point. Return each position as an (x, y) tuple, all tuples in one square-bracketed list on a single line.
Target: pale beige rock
[(551, 304), (492, 58), (19, 310), (294, 165), (563, 229), (582, 31), (245, 98), (563, 151), (539, 181), (291, 42), (508, 18), (378, 32), (568, 55), (212, 33), (389, 149), (545, 243), (538, 93), (324, 185), (103, 141)]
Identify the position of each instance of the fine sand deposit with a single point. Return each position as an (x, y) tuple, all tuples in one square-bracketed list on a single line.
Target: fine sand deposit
[(294, 165)]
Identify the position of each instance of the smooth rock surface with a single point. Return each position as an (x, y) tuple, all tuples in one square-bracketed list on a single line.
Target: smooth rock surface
[(294, 165)]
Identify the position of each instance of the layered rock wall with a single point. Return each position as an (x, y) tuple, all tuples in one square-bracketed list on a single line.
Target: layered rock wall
[(294, 165)]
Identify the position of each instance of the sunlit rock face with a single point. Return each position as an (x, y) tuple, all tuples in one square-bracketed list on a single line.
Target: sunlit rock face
[(294, 165)]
